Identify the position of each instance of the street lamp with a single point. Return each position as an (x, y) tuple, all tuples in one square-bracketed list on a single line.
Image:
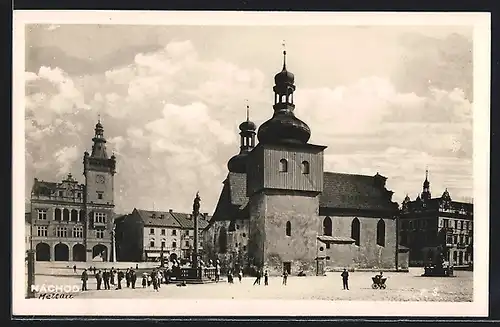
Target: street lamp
[(113, 241)]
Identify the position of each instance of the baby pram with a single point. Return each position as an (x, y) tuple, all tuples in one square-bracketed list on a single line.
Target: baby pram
[(379, 282)]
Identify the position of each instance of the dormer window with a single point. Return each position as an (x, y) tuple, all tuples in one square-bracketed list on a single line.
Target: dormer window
[(154, 216), (283, 165), (162, 216)]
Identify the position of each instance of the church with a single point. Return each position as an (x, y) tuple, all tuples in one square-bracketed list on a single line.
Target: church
[(279, 210)]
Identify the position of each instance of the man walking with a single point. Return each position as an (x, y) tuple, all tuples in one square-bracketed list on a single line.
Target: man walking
[(257, 280), (127, 277), (133, 278), (266, 278), (74, 269), (285, 276), (105, 277), (119, 277), (98, 278), (112, 274), (345, 279), (85, 277)]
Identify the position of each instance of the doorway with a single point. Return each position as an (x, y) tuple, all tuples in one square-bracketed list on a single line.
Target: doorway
[(287, 266)]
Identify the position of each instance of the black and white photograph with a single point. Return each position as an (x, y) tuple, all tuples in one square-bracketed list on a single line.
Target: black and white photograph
[(251, 163)]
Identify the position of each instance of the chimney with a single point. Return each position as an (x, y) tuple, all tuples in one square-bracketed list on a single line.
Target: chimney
[(205, 215), (170, 210)]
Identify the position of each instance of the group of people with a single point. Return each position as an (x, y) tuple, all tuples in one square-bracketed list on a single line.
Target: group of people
[(258, 278), (106, 278)]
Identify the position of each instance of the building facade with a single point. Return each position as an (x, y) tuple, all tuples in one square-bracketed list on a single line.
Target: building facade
[(71, 221), (279, 210), (437, 227), (143, 235)]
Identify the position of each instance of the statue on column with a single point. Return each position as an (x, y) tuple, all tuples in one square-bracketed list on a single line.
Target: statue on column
[(196, 204)]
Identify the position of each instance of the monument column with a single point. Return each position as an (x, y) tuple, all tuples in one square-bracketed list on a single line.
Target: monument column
[(196, 211)]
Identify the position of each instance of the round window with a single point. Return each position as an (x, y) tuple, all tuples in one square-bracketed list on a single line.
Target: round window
[(321, 248)]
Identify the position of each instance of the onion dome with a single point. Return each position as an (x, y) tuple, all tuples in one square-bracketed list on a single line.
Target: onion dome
[(247, 126), (238, 163), (284, 127)]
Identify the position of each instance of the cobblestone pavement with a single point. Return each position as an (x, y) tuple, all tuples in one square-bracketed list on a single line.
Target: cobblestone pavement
[(400, 287)]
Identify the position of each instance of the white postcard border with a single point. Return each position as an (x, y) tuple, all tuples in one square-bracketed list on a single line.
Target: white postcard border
[(180, 307)]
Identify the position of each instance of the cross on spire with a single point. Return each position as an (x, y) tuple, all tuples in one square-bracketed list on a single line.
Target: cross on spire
[(248, 110), (98, 118), (283, 44)]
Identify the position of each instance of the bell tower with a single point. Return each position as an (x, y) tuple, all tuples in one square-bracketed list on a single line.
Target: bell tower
[(284, 181), (99, 171)]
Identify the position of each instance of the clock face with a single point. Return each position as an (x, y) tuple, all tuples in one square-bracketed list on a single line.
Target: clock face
[(100, 179)]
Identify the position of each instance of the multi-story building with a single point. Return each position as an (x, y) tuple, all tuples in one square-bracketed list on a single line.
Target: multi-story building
[(435, 227), (143, 234), (72, 221)]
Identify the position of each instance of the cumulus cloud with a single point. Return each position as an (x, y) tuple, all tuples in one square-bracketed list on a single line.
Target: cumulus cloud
[(171, 118)]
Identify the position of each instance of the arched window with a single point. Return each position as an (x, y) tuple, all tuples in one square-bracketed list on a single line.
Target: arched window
[(81, 217), (74, 215), (355, 231), (283, 165), (381, 232), (305, 167), (288, 228), (66, 215), (223, 240), (57, 214), (327, 226)]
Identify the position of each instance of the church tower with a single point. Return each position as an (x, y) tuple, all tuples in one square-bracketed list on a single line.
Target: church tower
[(238, 163), (99, 171), (426, 191), (284, 180)]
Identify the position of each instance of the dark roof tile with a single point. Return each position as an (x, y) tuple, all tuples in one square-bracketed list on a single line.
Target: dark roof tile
[(161, 219), (186, 220)]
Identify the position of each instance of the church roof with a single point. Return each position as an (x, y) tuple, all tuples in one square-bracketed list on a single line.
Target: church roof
[(349, 191), (233, 199), (340, 191)]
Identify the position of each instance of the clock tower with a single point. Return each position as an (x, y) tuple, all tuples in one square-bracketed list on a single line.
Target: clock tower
[(99, 171)]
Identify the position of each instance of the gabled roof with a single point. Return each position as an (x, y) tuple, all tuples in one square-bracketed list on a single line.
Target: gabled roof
[(233, 199), (43, 187), (161, 218), (187, 222), (349, 191)]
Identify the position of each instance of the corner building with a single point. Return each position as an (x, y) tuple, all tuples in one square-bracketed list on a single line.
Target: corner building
[(279, 210), (72, 221)]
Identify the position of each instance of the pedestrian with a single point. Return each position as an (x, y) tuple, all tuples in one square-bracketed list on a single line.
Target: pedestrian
[(119, 277), (155, 281), (159, 277), (105, 277), (345, 279), (98, 278), (85, 277), (240, 275), (74, 269), (150, 279), (285, 276), (217, 273), (257, 280), (230, 276), (112, 274), (266, 278), (144, 278), (133, 278), (127, 277)]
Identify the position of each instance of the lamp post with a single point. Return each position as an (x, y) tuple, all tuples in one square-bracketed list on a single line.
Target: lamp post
[(162, 261)]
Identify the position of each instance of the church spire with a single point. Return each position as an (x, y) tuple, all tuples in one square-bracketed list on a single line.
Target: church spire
[(237, 164), (284, 127), (426, 192), (99, 146)]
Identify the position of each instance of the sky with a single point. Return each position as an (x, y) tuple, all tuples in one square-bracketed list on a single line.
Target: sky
[(387, 99)]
